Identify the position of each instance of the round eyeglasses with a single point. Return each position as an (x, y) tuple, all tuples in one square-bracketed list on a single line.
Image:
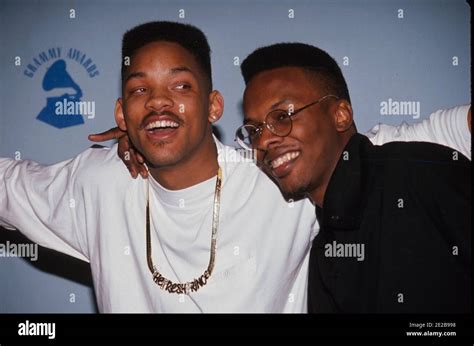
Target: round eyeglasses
[(278, 122)]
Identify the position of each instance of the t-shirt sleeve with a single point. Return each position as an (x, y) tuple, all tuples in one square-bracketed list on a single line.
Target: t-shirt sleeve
[(447, 127), (42, 202)]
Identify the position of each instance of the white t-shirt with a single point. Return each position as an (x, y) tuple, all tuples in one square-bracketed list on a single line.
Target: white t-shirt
[(90, 208)]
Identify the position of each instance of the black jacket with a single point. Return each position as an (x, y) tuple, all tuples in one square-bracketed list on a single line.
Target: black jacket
[(395, 231)]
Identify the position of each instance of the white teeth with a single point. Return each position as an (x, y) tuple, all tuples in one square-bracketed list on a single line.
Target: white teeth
[(161, 123), (284, 158)]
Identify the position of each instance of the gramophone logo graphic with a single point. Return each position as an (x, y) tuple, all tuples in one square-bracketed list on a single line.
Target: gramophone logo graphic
[(57, 77)]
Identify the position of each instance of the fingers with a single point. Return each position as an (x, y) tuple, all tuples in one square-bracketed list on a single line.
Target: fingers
[(113, 133), (140, 158), (131, 158), (123, 151), (140, 164), (142, 167), (137, 162)]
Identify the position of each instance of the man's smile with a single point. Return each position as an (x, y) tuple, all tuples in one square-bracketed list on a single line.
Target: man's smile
[(161, 126), (281, 164)]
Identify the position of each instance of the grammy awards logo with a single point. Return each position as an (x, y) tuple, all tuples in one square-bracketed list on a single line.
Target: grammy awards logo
[(64, 105)]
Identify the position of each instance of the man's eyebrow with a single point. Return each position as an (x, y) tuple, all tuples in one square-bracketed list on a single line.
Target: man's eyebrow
[(279, 103), (172, 71), (179, 69), (135, 75), (248, 119)]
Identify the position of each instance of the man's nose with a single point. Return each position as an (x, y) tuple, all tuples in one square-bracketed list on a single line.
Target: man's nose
[(159, 100), (268, 139)]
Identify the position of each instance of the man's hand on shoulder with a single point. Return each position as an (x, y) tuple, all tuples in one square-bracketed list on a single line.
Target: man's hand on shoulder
[(132, 159)]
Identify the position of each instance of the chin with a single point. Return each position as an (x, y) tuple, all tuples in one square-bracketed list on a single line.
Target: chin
[(160, 154), (157, 157), (163, 161), (293, 189)]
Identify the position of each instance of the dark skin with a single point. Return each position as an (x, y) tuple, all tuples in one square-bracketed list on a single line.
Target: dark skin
[(319, 133), (336, 116), (318, 136), (165, 83), (133, 160)]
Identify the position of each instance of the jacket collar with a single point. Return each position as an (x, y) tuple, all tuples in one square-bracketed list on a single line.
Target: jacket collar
[(345, 195)]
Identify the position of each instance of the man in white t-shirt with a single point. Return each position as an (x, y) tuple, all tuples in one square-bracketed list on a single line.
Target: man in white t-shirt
[(89, 208)]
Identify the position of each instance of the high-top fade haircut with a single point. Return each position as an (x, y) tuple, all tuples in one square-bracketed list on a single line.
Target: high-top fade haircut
[(187, 36), (321, 67)]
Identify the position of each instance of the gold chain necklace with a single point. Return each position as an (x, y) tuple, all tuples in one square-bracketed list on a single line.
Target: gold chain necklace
[(196, 284)]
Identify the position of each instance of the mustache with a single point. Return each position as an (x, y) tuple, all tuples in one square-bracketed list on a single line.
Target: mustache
[(171, 115)]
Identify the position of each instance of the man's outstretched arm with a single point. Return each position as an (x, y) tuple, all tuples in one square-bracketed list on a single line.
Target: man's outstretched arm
[(450, 127), (43, 203)]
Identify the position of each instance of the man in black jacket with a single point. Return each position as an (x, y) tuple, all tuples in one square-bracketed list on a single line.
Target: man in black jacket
[(395, 219)]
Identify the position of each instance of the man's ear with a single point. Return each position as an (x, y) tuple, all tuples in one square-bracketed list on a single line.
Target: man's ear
[(119, 118), (216, 106), (343, 116)]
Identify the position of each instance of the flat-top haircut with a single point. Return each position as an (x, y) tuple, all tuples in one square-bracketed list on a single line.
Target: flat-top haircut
[(187, 36), (321, 67)]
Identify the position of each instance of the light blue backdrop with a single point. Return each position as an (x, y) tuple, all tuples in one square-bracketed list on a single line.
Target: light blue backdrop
[(400, 50)]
